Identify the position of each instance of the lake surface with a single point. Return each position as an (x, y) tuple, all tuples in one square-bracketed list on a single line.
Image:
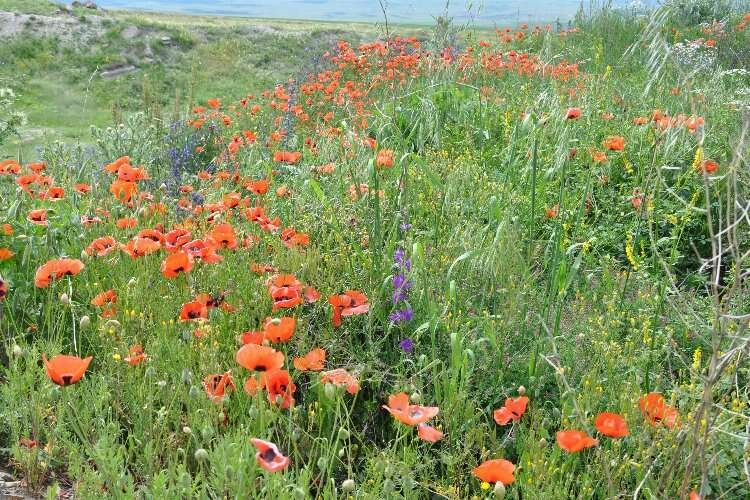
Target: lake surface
[(402, 11)]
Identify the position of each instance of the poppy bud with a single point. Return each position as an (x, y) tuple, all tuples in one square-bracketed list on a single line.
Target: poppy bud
[(163, 186), (521, 390), (84, 255), (415, 397), (201, 455), (207, 433), (17, 350), (299, 493), (161, 384), (348, 485), (84, 323), (322, 463), (542, 442), (388, 486), (296, 434), (150, 371), (276, 321), (132, 282), (187, 430), (194, 392), (330, 391), (499, 489), (252, 412), (342, 452), (64, 299), (343, 434), (187, 376)]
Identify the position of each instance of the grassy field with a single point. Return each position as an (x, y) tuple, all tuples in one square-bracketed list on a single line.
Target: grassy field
[(296, 260)]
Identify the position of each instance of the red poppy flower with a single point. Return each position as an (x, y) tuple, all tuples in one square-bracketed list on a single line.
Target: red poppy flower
[(66, 370), (341, 378), (429, 433), (269, 457), (611, 425), (82, 188), (176, 238), (261, 358), (136, 355), (289, 157), (224, 236), (574, 441), (258, 187), (252, 385), (313, 361), (279, 329), (38, 217), (193, 310), (280, 387), (655, 408), (176, 263), (217, 384), (56, 269), (251, 337), (384, 159), (108, 297), (348, 303), (512, 411), (496, 471), (572, 113), (9, 167), (291, 238), (614, 143), (708, 166), (101, 246), (398, 406)]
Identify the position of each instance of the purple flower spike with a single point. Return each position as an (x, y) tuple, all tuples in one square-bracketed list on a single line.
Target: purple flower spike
[(407, 345), (402, 316)]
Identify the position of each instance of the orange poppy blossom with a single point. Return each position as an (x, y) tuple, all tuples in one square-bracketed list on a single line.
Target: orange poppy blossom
[(429, 433), (82, 188), (194, 310), (261, 358), (140, 247), (291, 238), (66, 370), (176, 263), (313, 361), (279, 329), (126, 223), (398, 406), (136, 355), (290, 157), (384, 159), (512, 411), (656, 410), (341, 378), (574, 441), (101, 246), (9, 167), (176, 238), (6, 254), (497, 470), (611, 425), (614, 143), (349, 303), (7, 229), (104, 298), (224, 236), (55, 269), (285, 291), (268, 456), (280, 387), (217, 384)]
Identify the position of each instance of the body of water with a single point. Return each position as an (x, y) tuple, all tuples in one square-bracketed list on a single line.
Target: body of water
[(489, 12)]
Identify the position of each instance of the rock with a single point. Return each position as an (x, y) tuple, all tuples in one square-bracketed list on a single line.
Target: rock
[(166, 40), (120, 70), (130, 32)]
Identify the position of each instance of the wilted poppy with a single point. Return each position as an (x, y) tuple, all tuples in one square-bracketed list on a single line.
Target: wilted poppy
[(574, 441), (217, 384), (341, 378), (611, 425), (398, 406), (348, 303), (176, 263), (280, 387), (66, 370), (269, 457), (512, 411), (429, 433), (498, 470), (314, 360), (279, 329), (56, 269), (259, 358)]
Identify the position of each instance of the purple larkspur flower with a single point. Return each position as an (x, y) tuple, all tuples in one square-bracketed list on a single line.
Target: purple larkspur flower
[(402, 316), (404, 226), (407, 345), (400, 258)]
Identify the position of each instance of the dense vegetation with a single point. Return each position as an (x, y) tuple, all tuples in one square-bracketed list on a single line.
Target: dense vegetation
[(462, 264)]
